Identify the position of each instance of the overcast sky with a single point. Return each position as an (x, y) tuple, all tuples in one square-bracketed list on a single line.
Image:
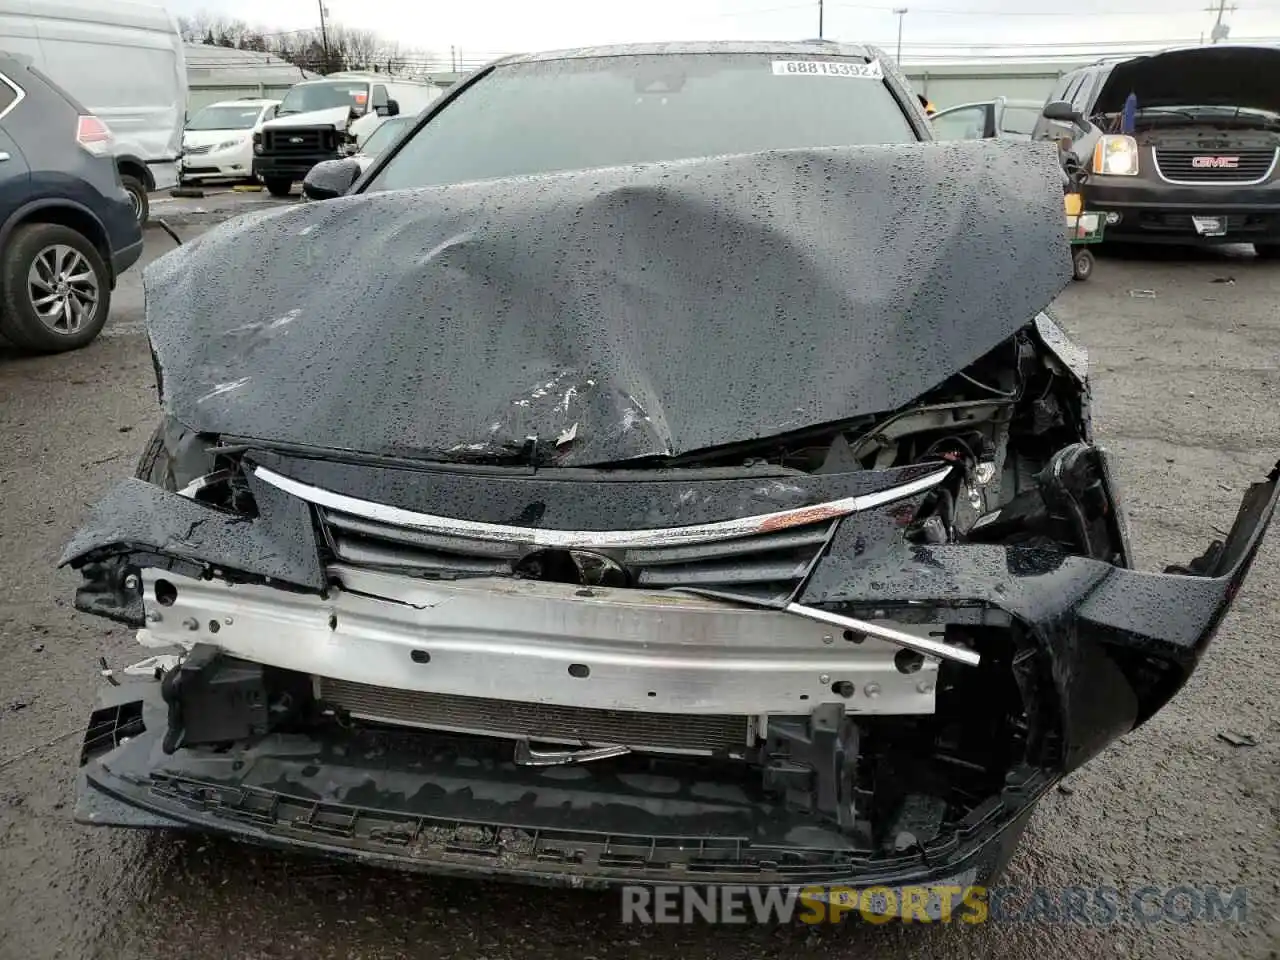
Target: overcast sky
[(484, 27)]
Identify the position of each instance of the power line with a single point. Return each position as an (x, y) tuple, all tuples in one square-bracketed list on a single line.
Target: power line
[(1075, 14), (1060, 44), (752, 11)]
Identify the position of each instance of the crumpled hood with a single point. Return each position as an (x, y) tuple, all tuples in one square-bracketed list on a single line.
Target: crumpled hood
[(336, 117), (1201, 76), (611, 314)]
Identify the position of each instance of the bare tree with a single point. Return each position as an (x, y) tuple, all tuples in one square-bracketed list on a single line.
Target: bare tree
[(390, 59), (356, 49), (348, 48)]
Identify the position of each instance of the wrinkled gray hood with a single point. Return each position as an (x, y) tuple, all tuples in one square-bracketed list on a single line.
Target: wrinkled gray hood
[(611, 314)]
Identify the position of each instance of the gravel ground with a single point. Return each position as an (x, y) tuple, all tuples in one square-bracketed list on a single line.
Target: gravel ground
[(1188, 395)]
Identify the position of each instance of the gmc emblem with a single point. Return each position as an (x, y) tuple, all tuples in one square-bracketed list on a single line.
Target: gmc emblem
[(1215, 163)]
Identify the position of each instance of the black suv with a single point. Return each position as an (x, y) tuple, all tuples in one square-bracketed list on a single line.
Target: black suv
[(67, 229), (1197, 159)]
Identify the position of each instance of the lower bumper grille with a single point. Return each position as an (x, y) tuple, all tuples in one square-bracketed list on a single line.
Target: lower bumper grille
[(662, 732), (1241, 226)]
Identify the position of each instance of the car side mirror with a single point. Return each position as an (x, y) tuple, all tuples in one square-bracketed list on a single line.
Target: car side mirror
[(389, 109), (330, 178), (1063, 112)]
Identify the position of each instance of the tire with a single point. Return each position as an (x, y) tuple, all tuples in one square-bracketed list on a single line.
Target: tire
[(1267, 251), (138, 196), (1082, 265), (278, 186), (55, 290)]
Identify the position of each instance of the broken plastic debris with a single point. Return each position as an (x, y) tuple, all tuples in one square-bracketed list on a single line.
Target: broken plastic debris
[(153, 666), (1143, 294), (1223, 280), (1237, 739), (567, 436)]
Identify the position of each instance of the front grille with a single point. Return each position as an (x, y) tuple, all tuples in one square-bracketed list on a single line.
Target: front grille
[(300, 140), (663, 732), (1207, 166), (762, 564), (195, 151)]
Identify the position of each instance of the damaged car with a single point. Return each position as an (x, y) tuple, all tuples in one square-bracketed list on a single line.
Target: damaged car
[(1184, 144), (657, 467)]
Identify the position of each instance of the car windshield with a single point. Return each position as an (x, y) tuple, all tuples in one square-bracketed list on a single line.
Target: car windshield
[(1174, 113), (385, 135), (306, 97), (540, 117), (225, 118)]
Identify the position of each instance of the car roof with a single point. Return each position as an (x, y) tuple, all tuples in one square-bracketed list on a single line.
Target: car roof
[(1008, 102), (246, 102), (788, 48), (362, 77)]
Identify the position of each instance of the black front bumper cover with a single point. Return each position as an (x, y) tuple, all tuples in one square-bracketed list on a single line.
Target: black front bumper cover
[(1119, 644), (396, 798)]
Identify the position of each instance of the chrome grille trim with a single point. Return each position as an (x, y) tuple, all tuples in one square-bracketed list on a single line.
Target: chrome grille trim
[(587, 539), (1253, 180)]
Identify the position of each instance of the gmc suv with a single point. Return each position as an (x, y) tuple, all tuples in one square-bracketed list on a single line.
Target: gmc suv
[(1189, 146)]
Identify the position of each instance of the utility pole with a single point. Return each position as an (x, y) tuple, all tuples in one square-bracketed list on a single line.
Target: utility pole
[(324, 33), (1220, 30), (819, 19), (900, 13)]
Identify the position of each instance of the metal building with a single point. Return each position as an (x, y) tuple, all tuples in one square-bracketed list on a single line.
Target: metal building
[(949, 84), (222, 73)]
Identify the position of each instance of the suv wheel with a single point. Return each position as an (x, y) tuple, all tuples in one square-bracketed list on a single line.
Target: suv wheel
[(278, 186), (1267, 251), (55, 290), (137, 191)]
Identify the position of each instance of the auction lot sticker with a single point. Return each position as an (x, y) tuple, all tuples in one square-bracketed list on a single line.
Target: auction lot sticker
[(828, 68)]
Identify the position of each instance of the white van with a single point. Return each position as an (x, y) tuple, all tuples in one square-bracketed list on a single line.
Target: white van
[(318, 119), (122, 59)]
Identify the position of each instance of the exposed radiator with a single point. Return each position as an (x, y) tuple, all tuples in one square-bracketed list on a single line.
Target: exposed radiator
[(657, 732)]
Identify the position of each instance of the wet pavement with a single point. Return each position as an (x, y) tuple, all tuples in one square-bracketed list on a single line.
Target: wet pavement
[(1188, 396)]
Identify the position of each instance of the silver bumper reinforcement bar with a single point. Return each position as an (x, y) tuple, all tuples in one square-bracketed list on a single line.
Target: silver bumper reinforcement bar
[(535, 642)]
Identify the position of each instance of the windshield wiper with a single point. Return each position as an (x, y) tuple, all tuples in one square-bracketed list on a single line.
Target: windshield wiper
[(1148, 112)]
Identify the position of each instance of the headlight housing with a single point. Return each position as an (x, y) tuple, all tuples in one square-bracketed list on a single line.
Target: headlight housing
[(228, 144), (1116, 155)]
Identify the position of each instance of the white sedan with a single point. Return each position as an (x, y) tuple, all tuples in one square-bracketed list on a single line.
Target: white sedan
[(217, 143)]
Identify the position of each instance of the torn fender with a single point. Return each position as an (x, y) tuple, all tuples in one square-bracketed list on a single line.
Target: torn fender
[(139, 524), (1121, 642)]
